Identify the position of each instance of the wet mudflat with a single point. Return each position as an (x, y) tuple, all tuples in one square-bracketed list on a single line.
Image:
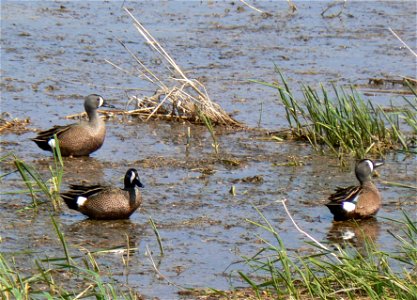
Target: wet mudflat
[(53, 53)]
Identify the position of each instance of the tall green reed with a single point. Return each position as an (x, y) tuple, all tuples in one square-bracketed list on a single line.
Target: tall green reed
[(345, 123)]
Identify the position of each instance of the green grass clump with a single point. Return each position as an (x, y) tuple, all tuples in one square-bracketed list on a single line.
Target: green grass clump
[(34, 181), (58, 277), (346, 123), (210, 127), (349, 273)]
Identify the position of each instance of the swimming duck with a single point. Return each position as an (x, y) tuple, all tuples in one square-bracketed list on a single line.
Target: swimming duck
[(106, 202), (357, 202)]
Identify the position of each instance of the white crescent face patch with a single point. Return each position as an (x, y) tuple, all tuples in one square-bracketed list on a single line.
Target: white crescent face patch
[(132, 177), (349, 206), (370, 164), (81, 200), (101, 101)]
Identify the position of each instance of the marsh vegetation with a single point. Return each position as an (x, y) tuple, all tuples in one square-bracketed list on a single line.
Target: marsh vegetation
[(345, 124), (217, 167)]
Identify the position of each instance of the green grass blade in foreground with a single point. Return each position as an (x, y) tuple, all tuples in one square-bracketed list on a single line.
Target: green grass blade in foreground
[(27, 173), (46, 279), (251, 283), (32, 178), (207, 122), (21, 168), (63, 241), (399, 184), (4, 158), (158, 236), (57, 173), (369, 273)]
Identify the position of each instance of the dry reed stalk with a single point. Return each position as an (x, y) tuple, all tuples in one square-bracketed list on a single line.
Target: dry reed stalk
[(320, 245), (405, 45), (182, 98), (251, 6)]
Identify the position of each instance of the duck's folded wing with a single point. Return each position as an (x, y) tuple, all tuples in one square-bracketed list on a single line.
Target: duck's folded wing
[(344, 194), (86, 191), (47, 134)]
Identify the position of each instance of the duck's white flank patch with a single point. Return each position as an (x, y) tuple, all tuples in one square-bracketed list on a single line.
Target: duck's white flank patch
[(51, 143), (348, 234), (370, 164), (81, 200), (132, 176), (349, 206), (101, 102)]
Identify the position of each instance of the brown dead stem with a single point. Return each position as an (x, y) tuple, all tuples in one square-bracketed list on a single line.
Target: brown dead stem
[(177, 97)]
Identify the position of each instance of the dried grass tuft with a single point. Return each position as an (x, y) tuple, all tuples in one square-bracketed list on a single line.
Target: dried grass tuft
[(177, 97), (13, 125)]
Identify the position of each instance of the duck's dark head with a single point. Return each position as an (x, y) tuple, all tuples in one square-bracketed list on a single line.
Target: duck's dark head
[(365, 167), (132, 179), (94, 101)]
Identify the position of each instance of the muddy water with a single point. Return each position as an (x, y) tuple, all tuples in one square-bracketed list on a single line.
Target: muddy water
[(53, 53)]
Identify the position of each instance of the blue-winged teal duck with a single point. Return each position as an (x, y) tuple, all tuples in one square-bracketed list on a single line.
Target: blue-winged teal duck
[(105, 202), (357, 202), (79, 139)]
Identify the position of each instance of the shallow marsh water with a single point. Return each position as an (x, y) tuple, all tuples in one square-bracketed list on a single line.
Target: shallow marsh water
[(53, 54)]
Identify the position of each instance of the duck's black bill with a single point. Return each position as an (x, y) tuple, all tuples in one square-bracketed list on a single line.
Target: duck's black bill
[(139, 184), (106, 104)]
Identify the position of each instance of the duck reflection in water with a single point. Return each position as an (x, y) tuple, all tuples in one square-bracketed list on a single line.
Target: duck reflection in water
[(98, 235), (354, 232), (84, 169)]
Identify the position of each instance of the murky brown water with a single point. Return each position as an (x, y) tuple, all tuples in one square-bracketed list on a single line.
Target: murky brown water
[(53, 54)]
